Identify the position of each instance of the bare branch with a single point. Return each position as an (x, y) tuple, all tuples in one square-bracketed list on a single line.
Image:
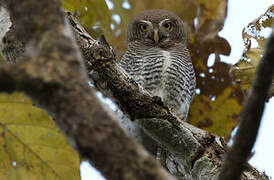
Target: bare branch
[(149, 111), (52, 74), (251, 116), (189, 144), (55, 84)]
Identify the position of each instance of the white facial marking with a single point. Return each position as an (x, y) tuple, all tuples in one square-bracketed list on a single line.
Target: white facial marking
[(147, 22), (160, 24)]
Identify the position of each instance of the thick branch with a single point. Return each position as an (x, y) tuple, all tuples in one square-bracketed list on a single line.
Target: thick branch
[(251, 116), (52, 74), (195, 146), (201, 151), (149, 111)]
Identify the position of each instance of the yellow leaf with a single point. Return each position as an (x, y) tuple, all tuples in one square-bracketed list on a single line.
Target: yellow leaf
[(218, 115), (94, 15), (31, 145), (244, 70)]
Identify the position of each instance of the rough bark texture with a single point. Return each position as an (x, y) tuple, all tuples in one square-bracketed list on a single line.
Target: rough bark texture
[(251, 116), (192, 152), (53, 75)]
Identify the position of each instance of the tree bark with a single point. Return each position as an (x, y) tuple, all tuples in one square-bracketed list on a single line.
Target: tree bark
[(191, 153), (52, 59), (52, 73)]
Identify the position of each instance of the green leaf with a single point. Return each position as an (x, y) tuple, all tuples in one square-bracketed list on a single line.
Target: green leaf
[(94, 15), (31, 145)]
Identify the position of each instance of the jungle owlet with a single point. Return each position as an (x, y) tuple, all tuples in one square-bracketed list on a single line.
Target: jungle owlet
[(157, 58)]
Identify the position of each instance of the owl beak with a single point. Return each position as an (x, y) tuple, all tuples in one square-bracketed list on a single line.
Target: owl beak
[(156, 36)]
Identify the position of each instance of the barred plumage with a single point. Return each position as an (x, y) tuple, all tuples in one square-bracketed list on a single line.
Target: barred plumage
[(161, 63)]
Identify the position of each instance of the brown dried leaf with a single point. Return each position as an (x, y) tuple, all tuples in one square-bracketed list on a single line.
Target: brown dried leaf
[(244, 70)]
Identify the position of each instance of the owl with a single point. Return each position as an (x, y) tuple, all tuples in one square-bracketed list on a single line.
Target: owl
[(157, 58)]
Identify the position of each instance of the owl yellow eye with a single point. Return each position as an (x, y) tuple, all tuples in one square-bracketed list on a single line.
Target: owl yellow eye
[(167, 26), (143, 27)]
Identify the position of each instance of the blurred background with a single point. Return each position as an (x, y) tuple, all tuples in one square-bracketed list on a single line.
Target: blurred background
[(214, 49)]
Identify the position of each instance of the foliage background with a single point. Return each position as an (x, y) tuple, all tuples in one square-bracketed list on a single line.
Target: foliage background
[(30, 140), (240, 14), (218, 99)]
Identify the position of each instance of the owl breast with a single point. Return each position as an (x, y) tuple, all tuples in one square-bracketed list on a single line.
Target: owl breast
[(168, 74)]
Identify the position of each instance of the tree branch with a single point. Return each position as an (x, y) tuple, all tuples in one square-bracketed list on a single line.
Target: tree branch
[(70, 100), (52, 74), (149, 111), (251, 116), (195, 146)]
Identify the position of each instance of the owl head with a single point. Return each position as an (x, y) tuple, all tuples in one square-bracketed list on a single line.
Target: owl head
[(157, 28)]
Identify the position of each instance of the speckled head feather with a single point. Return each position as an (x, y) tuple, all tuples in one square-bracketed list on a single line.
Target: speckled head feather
[(156, 16)]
